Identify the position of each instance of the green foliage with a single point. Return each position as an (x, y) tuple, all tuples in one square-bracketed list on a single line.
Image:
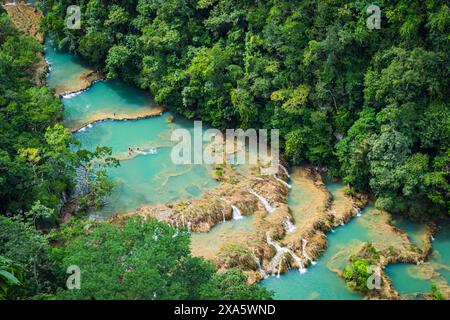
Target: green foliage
[(356, 274), (309, 68), (435, 293), (230, 285), (142, 260), (36, 164), (9, 276), (28, 250)]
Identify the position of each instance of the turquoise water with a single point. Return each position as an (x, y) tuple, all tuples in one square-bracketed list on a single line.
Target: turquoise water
[(146, 178), (105, 99), (441, 250), (65, 68), (407, 279), (320, 282), (143, 177), (415, 231), (410, 278)]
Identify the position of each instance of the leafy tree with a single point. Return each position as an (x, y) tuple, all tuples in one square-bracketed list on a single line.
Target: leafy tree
[(9, 276), (28, 251), (230, 285), (140, 260), (356, 274)]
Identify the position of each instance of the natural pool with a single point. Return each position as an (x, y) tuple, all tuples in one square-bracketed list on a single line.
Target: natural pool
[(409, 278), (105, 99), (319, 282), (65, 68), (231, 231), (152, 178), (144, 177), (147, 175)]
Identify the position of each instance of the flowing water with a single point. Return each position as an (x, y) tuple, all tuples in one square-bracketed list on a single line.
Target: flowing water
[(146, 175), (65, 68), (320, 282)]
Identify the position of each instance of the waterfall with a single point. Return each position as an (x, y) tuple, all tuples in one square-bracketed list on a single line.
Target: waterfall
[(284, 170), (189, 226), (358, 212), (283, 182), (264, 201), (279, 267), (260, 268), (305, 254), (236, 213), (182, 220), (288, 225), (280, 251)]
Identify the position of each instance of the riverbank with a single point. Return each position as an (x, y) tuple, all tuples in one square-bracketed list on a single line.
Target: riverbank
[(100, 117), (83, 82)]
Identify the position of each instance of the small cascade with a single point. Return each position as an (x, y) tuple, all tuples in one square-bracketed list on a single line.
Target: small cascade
[(284, 170), (72, 94), (223, 211), (236, 213), (288, 225), (279, 267), (358, 212), (280, 251), (305, 254), (283, 182), (261, 271), (189, 226), (298, 261), (264, 201)]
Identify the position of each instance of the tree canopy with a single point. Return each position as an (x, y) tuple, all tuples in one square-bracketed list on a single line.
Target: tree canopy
[(370, 104)]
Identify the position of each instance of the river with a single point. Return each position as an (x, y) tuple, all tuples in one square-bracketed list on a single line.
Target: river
[(150, 177)]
